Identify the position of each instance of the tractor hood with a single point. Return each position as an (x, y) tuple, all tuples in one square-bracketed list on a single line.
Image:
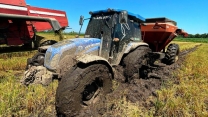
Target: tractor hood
[(72, 47)]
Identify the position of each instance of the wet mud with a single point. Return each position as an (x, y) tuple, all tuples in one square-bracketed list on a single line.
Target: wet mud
[(137, 90)]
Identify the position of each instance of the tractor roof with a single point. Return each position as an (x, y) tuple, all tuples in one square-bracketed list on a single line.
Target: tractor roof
[(135, 16)]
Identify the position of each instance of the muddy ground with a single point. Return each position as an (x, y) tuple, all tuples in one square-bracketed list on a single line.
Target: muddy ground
[(138, 90)]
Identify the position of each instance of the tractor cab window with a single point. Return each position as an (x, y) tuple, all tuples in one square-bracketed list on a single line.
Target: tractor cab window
[(104, 23), (130, 30), (98, 24)]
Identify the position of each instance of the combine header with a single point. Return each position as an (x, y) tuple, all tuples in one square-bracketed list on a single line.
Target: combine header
[(20, 22)]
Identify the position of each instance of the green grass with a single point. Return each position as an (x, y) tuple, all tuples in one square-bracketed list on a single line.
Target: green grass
[(197, 40), (11, 55), (186, 45), (54, 36), (18, 100), (190, 96), (15, 60)]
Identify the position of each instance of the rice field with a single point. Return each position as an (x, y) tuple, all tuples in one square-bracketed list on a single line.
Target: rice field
[(196, 40), (188, 98)]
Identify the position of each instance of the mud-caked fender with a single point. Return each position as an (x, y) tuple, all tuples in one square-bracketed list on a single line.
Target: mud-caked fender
[(126, 50), (134, 45), (93, 59)]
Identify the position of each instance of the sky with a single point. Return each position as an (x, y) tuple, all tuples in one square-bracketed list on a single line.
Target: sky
[(190, 15)]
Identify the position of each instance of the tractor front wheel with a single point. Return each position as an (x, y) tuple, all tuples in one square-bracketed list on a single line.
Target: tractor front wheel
[(82, 87)]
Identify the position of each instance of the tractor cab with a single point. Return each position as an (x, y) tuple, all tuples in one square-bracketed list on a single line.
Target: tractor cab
[(115, 28)]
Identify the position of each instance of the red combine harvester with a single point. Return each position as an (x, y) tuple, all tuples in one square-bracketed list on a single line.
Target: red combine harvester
[(20, 22)]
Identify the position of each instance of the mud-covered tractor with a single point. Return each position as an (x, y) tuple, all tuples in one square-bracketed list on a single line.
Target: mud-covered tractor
[(85, 66)]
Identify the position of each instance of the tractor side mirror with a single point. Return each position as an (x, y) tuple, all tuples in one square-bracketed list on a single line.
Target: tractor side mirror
[(123, 16), (81, 20)]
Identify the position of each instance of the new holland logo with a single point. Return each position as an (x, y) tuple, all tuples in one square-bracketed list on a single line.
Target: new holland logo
[(101, 17)]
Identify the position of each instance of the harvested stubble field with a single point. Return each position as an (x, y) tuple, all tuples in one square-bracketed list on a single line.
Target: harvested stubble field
[(181, 91)]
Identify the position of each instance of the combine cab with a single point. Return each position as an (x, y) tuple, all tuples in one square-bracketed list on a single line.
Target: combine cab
[(20, 22)]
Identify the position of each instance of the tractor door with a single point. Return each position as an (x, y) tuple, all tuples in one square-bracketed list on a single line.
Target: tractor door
[(100, 26), (124, 33)]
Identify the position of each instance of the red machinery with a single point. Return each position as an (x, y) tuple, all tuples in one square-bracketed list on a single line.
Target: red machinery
[(159, 32), (19, 21)]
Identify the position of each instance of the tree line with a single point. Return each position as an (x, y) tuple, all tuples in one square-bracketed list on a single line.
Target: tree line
[(205, 35)]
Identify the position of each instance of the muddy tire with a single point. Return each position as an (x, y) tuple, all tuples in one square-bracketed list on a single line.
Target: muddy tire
[(47, 42), (82, 87), (171, 54), (134, 61), (36, 60), (30, 45)]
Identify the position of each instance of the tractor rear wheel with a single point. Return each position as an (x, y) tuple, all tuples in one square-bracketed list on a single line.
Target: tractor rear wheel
[(134, 61), (82, 87), (171, 54)]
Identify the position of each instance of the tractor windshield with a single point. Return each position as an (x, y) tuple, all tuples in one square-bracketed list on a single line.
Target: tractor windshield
[(98, 24), (104, 23), (129, 31)]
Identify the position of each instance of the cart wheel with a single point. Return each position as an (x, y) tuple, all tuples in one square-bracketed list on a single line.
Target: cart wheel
[(82, 87), (30, 45), (171, 54)]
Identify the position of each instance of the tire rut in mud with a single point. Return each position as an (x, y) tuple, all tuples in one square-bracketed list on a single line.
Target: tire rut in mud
[(138, 90)]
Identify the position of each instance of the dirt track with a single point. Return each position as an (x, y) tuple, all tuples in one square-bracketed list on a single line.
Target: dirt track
[(138, 90)]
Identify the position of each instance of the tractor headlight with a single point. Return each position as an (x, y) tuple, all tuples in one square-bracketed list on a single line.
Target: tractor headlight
[(54, 61)]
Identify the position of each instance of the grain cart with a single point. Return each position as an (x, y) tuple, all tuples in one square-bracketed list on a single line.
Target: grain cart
[(85, 66), (158, 33), (20, 22)]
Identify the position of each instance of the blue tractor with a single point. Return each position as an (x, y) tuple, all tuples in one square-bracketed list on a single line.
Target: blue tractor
[(85, 66)]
